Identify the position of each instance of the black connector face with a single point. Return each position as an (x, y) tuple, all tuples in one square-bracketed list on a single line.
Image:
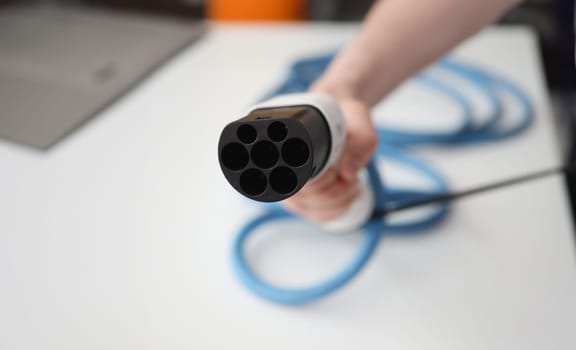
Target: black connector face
[(271, 153)]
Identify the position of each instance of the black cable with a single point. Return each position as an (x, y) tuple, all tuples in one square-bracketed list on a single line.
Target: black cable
[(450, 197)]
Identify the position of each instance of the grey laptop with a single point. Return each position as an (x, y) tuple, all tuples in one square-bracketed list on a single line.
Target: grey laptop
[(59, 66)]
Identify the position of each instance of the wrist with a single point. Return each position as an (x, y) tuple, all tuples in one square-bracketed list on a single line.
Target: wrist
[(353, 78), (341, 89)]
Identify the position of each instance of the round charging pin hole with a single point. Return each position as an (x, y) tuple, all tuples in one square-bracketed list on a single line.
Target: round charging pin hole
[(265, 154), (277, 131), (253, 182), (295, 152), (234, 156), (283, 180), (246, 133)]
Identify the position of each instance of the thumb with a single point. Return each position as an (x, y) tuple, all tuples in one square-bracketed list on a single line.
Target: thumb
[(360, 139)]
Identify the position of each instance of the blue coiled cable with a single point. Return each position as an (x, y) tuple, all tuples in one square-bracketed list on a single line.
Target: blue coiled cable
[(392, 145)]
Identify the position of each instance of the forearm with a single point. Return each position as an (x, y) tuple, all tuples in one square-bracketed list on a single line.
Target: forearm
[(398, 38)]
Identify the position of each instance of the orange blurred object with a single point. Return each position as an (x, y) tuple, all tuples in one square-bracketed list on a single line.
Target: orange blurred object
[(256, 10)]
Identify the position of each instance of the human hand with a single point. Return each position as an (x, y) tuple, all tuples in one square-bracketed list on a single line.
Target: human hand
[(330, 195)]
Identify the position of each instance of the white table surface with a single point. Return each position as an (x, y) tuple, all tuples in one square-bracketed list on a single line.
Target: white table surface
[(119, 238)]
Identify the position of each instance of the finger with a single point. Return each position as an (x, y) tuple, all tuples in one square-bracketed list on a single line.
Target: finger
[(335, 196), (295, 206), (297, 203), (361, 139), (322, 183), (333, 212)]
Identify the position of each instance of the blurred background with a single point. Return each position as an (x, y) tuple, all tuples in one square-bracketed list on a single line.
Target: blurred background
[(63, 61), (552, 19)]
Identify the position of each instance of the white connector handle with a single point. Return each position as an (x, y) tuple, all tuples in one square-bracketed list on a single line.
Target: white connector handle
[(357, 214)]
